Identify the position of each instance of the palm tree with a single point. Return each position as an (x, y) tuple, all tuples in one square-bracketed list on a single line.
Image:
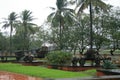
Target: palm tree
[(26, 26), (10, 22), (97, 4), (57, 17)]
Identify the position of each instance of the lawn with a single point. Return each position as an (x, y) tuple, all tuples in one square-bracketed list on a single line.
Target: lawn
[(108, 51), (43, 72), (103, 51)]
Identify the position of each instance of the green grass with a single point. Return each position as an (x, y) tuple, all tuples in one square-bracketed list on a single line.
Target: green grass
[(108, 52), (104, 51), (43, 72)]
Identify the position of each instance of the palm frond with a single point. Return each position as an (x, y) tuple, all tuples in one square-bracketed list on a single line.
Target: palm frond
[(83, 6), (31, 30), (69, 18), (78, 3), (12, 16), (11, 20), (49, 18), (68, 9), (5, 26), (103, 6), (71, 2), (26, 15), (61, 4), (52, 8), (55, 22), (98, 4)]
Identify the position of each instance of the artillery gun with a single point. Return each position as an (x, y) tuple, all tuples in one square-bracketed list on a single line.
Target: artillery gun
[(28, 55)]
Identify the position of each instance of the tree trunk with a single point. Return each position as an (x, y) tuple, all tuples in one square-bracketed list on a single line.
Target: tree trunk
[(91, 35), (11, 39), (60, 31)]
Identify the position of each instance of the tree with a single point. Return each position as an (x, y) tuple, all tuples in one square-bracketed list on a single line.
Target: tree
[(98, 4), (83, 31), (18, 39), (3, 42), (26, 26), (60, 17), (113, 27), (11, 22)]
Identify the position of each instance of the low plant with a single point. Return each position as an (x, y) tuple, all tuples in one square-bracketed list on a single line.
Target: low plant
[(109, 65), (59, 58)]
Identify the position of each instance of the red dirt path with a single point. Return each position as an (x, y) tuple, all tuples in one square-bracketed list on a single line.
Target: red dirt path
[(13, 76)]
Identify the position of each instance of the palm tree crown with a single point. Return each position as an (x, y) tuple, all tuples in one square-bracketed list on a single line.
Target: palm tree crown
[(26, 26), (61, 16), (11, 22), (97, 4)]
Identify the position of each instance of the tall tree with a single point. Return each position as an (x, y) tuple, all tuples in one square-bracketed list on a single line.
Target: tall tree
[(57, 17), (26, 26), (113, 27), (11, 22), (97, 4)]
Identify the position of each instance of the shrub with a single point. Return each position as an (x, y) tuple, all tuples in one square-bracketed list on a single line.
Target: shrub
[(108, 65), (59, 58)]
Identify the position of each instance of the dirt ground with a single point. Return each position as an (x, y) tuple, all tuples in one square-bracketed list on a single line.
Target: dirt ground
[(13, 76)]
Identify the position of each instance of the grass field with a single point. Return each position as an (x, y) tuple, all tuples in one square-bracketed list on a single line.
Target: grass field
[(102, 51), (108, 52), (43, 72)]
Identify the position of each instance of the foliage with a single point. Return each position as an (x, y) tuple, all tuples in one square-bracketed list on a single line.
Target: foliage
[(69, 31), (3, 42), (97, 5), (61, 17), (109, 65), (11, 22), (59, 58), (42, 71), (26, 27)]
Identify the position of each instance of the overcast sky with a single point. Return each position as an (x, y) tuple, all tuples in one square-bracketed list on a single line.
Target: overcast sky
[(38, 7)]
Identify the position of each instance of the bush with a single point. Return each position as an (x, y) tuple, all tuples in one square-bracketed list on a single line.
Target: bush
[(109, 65), (59, 58)]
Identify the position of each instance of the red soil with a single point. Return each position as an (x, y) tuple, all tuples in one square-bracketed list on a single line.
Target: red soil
[(13, 76)]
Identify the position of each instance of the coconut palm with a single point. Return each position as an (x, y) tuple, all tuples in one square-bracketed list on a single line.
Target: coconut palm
[(11, 22), (26, 26), (61, 16), (97, 4)]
